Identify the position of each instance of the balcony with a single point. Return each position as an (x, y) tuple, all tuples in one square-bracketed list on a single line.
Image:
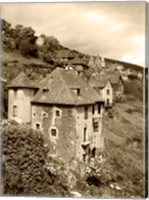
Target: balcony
[(85, 144)]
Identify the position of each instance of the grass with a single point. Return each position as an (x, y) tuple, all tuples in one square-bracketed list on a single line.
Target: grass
[(125, 159)]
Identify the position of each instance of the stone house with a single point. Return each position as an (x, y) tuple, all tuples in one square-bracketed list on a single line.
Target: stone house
[(78, 65), (20, 93), (104, 88), (117, 83), (66, 110)]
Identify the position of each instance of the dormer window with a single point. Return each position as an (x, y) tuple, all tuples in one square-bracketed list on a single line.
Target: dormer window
[(45, 90), (76, 91)]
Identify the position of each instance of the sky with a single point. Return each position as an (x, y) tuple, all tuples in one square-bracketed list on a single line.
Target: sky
[(109, 29)]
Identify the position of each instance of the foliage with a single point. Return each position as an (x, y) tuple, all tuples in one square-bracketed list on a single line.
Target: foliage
[(24, 162), (134, 88), (28, 49), (93, 172)]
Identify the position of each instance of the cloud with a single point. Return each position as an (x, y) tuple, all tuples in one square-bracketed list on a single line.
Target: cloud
[(111, 29), (95, 17)]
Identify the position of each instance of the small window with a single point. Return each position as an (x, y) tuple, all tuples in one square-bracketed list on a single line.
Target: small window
[(53, 132), (85, 112), (99, 108), (44, 114), (78, 92), (85, 136), (37, 126), (57, 113), (15, 92), (108, 91), (34, 114), (45, 91), (108, 102), (95, 125), (93, 109), (14, 111)]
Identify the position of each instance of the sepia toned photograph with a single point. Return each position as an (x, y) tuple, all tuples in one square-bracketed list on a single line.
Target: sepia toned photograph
[(73, 99)]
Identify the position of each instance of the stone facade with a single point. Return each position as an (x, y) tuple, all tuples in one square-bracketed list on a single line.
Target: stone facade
[(70, 130), (58, 125), (89, 130)]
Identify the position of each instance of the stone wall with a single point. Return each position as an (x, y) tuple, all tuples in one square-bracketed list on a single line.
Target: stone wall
[(64, 142), (94, 138)]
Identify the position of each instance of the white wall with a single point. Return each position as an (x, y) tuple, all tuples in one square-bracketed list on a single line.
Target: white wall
[(22, 100)]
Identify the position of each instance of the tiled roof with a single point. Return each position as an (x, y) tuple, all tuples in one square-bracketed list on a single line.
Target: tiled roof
[(114, 78), (101, 80), (78, 61), (22, 81), (61, 88)]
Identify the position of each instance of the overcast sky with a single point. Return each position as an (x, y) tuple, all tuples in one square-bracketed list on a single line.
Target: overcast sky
[(110, 29)]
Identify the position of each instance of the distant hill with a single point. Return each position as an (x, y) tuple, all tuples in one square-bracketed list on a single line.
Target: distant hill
[(22, 45)]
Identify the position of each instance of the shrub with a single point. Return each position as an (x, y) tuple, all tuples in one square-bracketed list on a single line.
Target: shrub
[(24, 162)]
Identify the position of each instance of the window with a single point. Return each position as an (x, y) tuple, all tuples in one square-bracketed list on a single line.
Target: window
[(53, 132), (95, 125), (108, 102), (84, 157), (15, 92), (78, 92), (84, 136), (85, 112), (93, 153), (44, 114), (34, 114), (108, 91), (14, 111), (57, 113), (45, 91), (37, 126), (93, 109), (99, 108)]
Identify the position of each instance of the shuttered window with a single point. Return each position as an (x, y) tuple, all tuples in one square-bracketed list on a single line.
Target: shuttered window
[(14, 111), (85, 112)]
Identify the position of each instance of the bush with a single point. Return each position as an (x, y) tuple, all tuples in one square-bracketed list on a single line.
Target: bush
[(24, 162)]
